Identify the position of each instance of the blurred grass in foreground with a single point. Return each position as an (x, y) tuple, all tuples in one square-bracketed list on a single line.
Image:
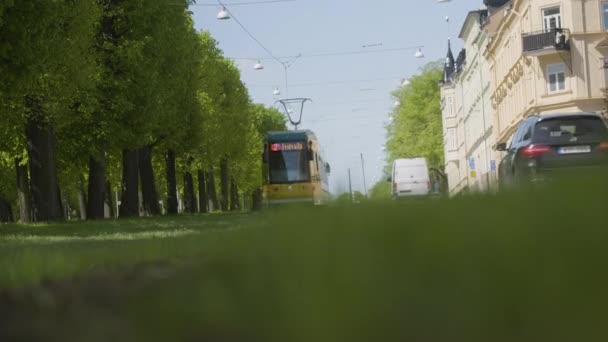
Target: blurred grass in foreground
[(31, 253), (522, 266)]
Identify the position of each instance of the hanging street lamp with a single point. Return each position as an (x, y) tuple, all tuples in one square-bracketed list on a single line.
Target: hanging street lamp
[(258, 66), (223, 14)]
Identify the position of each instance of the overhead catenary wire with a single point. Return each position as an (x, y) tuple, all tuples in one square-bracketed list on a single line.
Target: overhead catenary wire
[(313, 121), (351, 101), (329, 82), (337, 53), (242, 3), (251, 34)]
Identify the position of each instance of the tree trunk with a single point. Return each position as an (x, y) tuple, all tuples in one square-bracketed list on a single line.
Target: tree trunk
[(82, 199), (43, 170), (6, 212), (65, 204), (97, 188), (171, 183), (211, 189), (234, 196), (23, 192), (189, 199), (109, 200), (129, 201), (224, 183), (148, 182), (203, 198), (258, 199)]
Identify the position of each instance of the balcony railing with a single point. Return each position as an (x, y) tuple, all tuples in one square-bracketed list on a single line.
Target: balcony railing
[(543, 42)]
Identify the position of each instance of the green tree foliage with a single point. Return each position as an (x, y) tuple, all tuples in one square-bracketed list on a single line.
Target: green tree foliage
[(268, 119), (380, 191), (7, 177), (264, 120), (347, 198), (45, 63), (416, 130), (45, 53), (108, 77)]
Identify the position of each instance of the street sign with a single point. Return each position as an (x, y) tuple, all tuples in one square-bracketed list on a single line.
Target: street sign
[(472, 163)]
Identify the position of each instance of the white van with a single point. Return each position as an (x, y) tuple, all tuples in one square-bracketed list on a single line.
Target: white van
[(410, 177)]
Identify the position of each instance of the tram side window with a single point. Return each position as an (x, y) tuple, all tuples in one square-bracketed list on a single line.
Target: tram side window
[(288, 166)]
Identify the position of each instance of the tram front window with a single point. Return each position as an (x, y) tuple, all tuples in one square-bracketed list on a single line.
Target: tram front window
[(288, 166)]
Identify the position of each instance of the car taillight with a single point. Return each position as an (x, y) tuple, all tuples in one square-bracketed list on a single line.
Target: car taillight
[(534, 151), (604, 145)]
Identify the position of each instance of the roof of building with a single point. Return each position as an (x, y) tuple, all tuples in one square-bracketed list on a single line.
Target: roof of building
[(461, 60), (479, 16), (450, 64), (495, 3)]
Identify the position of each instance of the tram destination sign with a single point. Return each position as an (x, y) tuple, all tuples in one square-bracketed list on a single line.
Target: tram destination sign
[(291, 146)]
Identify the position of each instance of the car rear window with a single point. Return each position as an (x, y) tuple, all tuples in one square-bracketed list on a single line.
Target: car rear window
[(569, 130)]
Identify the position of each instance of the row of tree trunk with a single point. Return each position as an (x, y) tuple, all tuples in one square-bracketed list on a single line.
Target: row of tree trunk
[(39, 196)]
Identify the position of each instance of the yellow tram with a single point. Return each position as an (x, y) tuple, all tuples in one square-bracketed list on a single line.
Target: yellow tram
[(294, 170)]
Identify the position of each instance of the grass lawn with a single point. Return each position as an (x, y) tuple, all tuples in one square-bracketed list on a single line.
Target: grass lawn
[(524, 266), (31, 253)]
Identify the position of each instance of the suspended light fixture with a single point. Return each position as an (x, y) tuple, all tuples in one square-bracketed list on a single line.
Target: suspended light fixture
[(258, 66), (419, 53), (276, 92), (223, 14)]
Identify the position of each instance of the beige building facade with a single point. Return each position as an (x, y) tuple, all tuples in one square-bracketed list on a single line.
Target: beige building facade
[(547, 56), (526, 57), (467, 113)]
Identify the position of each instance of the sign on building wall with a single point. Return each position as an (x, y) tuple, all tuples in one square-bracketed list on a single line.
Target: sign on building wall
[(472, 167)]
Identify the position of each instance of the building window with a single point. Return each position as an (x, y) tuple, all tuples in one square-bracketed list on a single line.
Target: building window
[(556, 78), (451, 143), (450, 107), (552, 18), (605, 15)]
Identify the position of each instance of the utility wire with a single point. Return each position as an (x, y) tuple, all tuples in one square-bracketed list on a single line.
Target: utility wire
[(339, 119), (340, 53), (359, 52), (250, 34), (353, 101), (329, 82), (243, 3)]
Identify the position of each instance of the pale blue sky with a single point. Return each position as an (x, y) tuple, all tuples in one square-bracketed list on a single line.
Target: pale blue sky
[(349, 117)]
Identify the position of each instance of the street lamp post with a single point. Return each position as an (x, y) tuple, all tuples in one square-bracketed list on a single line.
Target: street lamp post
[(363, 171), (350, 187)]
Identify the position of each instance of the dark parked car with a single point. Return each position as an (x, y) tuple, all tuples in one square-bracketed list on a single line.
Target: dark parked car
[(546, 144)]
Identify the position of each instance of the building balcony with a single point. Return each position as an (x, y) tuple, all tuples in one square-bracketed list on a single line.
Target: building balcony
[(544, 43)]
